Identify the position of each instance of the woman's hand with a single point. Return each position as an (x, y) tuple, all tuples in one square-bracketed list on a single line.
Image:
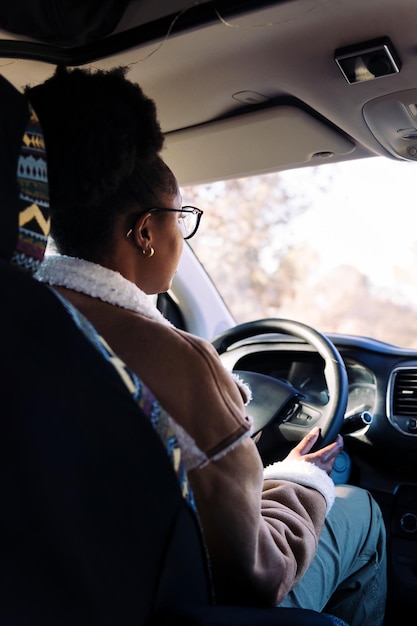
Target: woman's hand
[(323, 458)]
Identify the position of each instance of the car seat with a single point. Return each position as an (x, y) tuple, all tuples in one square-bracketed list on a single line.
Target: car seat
[(97, 521)]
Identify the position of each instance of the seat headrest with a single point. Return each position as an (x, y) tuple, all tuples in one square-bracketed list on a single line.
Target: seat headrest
[(24, 196)]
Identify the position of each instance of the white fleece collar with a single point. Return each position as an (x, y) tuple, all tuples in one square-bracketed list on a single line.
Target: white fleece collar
[(99, 282)]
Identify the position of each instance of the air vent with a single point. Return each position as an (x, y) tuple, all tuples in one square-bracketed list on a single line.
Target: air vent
[(402, 394), (404, 399)]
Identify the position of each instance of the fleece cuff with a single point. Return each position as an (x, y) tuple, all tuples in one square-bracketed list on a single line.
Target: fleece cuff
[(303, 473), (245, 390)]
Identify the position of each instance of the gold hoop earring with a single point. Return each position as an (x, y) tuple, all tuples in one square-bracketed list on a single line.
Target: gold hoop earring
[(148, 252)]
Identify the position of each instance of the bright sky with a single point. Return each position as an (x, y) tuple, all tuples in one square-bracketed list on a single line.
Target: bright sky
[(373, 205)]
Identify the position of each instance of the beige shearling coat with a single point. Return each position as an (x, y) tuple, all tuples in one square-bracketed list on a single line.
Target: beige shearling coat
[(261, 534)]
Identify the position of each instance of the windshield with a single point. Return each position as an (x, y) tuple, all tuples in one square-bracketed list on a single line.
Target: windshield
[(333, 246)]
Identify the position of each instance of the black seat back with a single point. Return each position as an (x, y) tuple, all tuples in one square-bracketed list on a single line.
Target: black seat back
[(93, 525)]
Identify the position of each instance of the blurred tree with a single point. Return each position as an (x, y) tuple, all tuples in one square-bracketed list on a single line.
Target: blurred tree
[(241, 238)]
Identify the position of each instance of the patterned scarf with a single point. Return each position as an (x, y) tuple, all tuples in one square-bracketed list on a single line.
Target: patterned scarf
[(33, 218)]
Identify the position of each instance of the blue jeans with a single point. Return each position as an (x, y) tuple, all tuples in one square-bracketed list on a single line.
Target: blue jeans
[(348, 576)]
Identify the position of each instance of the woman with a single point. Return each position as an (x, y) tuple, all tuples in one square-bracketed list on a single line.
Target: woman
[(118, 222)]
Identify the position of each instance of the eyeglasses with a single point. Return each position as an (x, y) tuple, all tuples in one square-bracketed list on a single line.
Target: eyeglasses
[(189, 220)]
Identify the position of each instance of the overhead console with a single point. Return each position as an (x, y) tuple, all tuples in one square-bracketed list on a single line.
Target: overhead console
[(392, 119)]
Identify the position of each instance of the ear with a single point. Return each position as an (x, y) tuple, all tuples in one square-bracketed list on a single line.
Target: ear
[(142, 231)]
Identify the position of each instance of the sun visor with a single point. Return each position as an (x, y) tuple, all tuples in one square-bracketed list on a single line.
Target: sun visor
[(252, 143), (392, 119)]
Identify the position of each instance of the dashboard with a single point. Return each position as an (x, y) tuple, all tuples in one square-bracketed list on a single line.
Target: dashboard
[(381, 413)]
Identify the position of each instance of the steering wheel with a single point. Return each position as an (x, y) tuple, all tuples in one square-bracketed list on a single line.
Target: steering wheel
[(283, 414)]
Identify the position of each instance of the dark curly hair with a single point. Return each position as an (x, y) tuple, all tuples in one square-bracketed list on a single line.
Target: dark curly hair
[(103, 141)]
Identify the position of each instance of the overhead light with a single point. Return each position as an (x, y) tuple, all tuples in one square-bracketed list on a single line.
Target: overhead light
[(392, 121), (368, 60)]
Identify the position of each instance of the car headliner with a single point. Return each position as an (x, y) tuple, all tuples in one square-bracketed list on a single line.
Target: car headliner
[(246, 87)]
